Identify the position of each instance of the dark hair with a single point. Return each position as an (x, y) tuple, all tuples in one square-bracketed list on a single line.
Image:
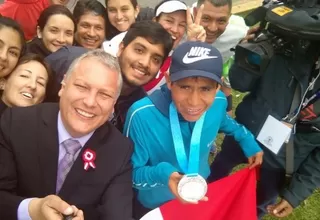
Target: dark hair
[(216, 3), (86, 6), (54, 10), (160, 3), (35, 57), (133, 2), (10, 23), (111, 31), (151, 31)]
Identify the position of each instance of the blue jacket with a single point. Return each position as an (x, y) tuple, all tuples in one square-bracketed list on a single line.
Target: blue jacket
[(154, 159)]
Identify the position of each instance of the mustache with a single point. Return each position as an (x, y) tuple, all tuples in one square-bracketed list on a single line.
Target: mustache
[(87, 37), (142, 68)]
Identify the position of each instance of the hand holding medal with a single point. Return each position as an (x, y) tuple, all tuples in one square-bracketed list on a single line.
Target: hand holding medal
[(186, 196)]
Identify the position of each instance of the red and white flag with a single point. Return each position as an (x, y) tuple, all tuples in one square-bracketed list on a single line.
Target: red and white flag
[(233, 197), (159, 80)]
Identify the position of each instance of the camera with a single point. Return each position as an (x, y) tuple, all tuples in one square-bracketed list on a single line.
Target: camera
[(289, 27)]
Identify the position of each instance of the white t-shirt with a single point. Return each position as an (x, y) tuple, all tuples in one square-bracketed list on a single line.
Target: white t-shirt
[(112, 46), (234, 33)]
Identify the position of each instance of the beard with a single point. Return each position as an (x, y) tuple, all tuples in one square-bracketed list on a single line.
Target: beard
[(130, 83), (126, 81)]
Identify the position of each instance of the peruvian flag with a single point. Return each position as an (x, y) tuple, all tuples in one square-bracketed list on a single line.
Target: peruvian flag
[(233, 197), (159, 80)]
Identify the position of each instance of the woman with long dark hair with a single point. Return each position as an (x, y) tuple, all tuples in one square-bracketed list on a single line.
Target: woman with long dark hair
[(55, 29)]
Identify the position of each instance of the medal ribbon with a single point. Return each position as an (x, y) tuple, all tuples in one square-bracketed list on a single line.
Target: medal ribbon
[(189, 166)]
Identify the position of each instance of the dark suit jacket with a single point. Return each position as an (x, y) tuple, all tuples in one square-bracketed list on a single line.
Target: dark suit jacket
[(29, 160), (3, 106)]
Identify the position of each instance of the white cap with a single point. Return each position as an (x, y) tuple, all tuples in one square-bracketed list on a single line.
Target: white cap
[(171, 6)]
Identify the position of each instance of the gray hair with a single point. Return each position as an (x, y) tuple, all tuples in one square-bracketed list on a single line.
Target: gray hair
[(216, 3), (105, 58)]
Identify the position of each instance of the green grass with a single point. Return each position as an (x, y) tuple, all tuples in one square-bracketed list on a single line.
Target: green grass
[(309, 209)]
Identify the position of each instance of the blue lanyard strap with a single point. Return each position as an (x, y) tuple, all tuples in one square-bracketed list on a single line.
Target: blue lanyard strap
[(190, 166)]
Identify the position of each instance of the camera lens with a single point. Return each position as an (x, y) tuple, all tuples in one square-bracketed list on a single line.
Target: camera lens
[(254, 60)]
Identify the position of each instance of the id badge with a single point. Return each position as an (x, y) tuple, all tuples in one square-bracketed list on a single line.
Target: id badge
[(274, 134)]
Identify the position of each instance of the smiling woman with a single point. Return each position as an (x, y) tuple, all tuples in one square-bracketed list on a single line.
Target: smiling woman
[(27, 84), (121, 14), (12, 45), (56, 28), (171, 14)]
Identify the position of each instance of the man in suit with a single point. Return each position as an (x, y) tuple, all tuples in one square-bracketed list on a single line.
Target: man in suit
[(40, 144)]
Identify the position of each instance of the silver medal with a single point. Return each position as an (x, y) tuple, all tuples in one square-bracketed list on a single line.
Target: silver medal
[(192, 188)]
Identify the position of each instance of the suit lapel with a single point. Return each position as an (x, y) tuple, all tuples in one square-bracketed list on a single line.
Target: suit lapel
[(48, 148), (77, 172)]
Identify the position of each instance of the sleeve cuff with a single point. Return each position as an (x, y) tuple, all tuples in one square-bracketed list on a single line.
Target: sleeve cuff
[(166, 170), (23, 210), (291, 198), (250, 148)]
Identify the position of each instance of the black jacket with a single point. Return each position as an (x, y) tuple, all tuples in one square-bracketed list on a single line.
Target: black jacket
[(122, 106), (3, 107), (272, 94), (60, 62), (36, 46)]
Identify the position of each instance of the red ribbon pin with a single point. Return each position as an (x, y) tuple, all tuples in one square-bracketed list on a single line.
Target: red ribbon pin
[(88, 158)]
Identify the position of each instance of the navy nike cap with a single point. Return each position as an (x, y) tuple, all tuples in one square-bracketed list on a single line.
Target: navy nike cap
[(193, 58)]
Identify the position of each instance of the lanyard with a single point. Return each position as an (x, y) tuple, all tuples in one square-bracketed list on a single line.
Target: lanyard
[(191, 165), (311, 100), (305, 102)]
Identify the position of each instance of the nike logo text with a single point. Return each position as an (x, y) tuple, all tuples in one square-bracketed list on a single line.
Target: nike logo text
[(196, 54)]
